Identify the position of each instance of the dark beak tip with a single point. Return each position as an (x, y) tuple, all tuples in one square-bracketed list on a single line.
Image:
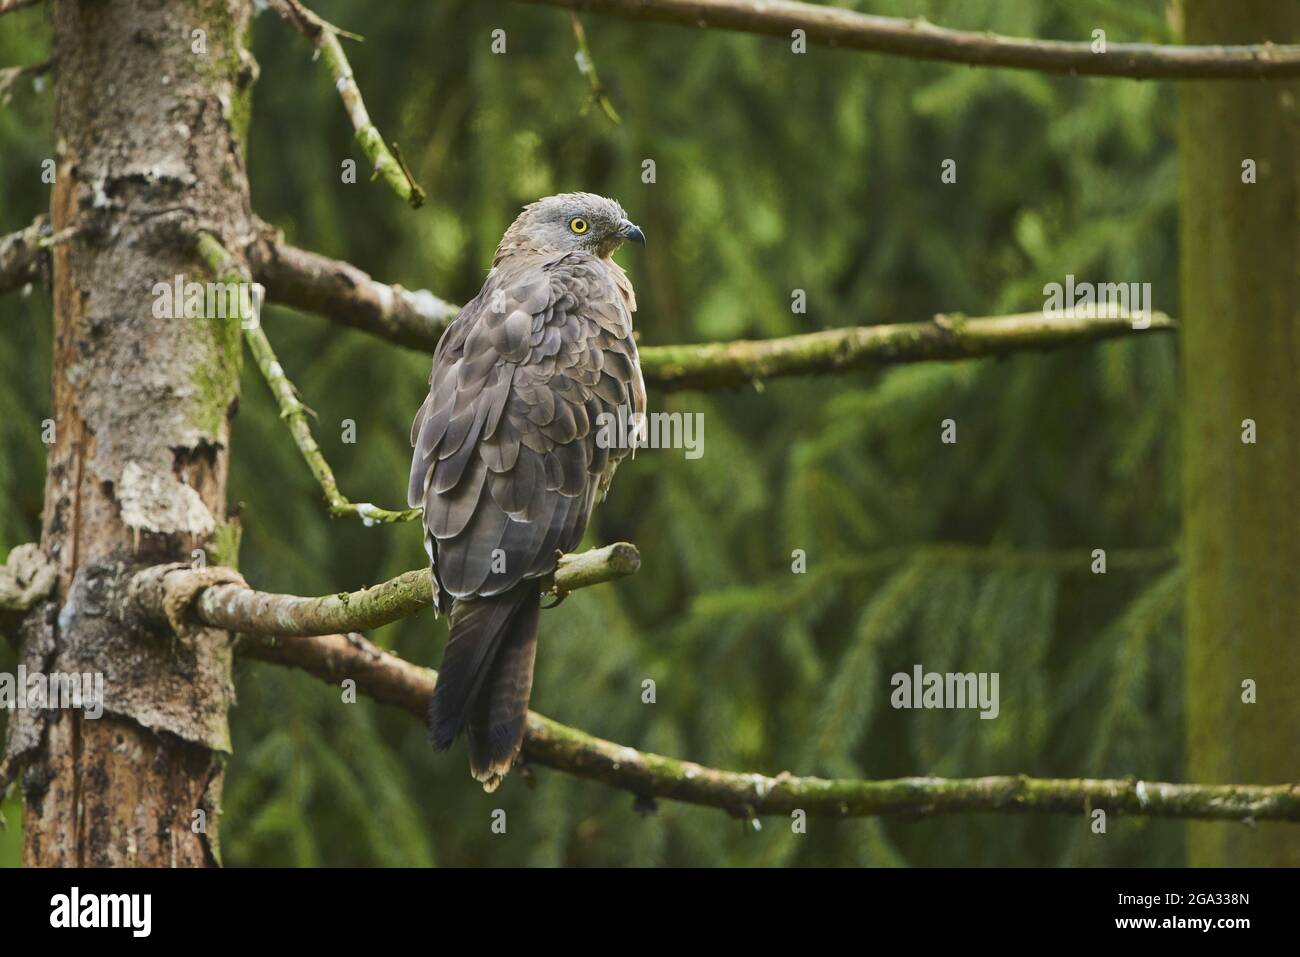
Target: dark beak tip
[(633, 233)]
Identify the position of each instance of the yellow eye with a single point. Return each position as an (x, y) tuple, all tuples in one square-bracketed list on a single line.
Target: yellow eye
[(578, 225)]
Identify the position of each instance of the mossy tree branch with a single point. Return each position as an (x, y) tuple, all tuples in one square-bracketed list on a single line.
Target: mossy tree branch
[(722, 364), (341, 292), (325, 38), (300, 632), (294, 414), (318, 635), (216, 597), (848, 29), (392, 680)]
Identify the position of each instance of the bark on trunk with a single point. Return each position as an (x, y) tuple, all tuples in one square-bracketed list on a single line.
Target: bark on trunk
[(150, 116), (1241, 356)]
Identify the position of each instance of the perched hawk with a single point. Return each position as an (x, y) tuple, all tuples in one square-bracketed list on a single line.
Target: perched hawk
[(507, 465)]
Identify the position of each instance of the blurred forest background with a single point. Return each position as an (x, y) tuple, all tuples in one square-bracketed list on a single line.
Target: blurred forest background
[(774, 172)]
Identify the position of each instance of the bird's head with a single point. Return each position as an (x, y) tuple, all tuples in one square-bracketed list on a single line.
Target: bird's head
[(568, 222)]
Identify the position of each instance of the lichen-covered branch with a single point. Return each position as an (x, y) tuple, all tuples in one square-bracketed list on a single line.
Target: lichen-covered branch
[(24, 255), (292, 411), (339, 291), (390, 679), (720, 364), (294, 414), (325, 37), (236, 607), (825, 25), (311, 282)]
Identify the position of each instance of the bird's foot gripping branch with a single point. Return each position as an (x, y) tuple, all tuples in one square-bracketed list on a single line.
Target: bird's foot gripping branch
[(219, 598)]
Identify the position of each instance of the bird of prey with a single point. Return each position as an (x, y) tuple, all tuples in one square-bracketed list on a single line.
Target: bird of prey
[(507, 463)]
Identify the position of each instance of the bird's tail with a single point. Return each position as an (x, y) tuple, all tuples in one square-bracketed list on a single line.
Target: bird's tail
[(485, 679)]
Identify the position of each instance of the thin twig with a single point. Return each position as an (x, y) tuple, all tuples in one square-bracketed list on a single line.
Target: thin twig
[(24, 255), (292, 411), (294, 414), (824, 25), (587, 67), (324, 36)]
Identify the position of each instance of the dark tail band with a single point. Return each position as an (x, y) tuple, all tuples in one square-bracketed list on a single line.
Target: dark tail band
[(486, 679)]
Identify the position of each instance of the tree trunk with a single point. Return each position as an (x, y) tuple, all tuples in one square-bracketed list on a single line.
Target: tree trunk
[(150, 116), (1241, 360)]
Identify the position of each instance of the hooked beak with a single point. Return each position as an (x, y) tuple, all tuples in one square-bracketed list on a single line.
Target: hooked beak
[(631, 231)]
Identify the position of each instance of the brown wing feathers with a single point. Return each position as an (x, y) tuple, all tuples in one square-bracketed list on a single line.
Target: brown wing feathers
[(507, 468)]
